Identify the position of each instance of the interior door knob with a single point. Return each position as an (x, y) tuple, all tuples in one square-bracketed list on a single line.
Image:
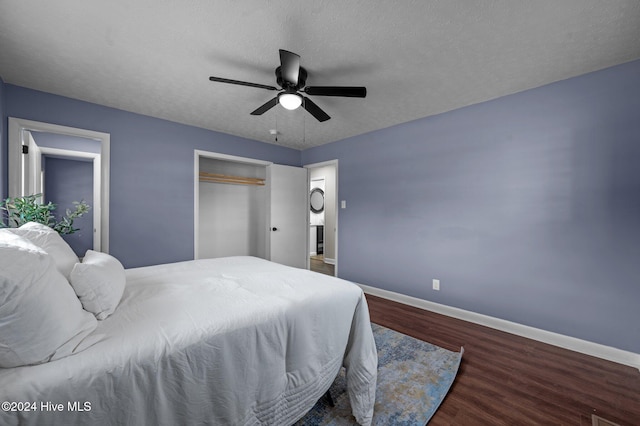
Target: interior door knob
[(274, 229)]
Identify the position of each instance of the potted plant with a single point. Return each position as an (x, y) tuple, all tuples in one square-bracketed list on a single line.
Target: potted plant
[(20, 210)]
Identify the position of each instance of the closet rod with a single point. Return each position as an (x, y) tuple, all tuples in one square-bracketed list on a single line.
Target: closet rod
[(219, 178)]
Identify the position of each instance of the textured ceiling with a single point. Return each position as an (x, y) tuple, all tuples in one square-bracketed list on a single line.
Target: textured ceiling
[(416, 58)]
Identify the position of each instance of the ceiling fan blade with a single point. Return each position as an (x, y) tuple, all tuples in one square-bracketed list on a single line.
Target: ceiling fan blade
[(345, 91), (290, 66), (242, 83), (314, 110), (266, 107)]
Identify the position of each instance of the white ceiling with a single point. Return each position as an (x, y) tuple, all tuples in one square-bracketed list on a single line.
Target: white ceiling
[(416, 58)]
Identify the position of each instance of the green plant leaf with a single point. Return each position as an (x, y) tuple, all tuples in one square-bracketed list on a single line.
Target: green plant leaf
[(20, 210)]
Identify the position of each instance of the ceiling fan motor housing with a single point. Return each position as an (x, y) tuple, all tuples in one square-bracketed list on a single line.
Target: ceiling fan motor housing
[(286, 85)]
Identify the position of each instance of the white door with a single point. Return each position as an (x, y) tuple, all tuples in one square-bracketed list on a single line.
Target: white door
[(33, 172), (288, 215)]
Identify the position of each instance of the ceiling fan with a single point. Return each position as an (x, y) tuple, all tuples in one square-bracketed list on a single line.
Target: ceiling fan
[(292, 79)]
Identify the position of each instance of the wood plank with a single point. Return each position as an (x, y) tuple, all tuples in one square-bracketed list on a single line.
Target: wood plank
[(317, 264), (506, 379), (221, 178)]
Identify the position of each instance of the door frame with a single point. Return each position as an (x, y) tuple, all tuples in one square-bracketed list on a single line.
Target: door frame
[(19, 127), (317, 165)]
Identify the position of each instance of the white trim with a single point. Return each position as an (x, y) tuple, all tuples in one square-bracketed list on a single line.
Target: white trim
[(197, 153), (196, 203), (578, 345), (227, 157), (322, 164), (329, 261), (17, 126), (68, 153), (34, 168)]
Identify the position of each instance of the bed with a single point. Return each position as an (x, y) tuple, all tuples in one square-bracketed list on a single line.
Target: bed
[(229, 341)]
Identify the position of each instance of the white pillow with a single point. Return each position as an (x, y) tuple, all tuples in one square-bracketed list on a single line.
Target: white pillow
[(41, 319), (51, 242), (99, 283)]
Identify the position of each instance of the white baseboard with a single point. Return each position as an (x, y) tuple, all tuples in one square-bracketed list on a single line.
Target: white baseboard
[(578, 345), (313, 253)]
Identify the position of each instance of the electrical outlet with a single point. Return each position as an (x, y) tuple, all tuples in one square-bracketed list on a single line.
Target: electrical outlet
[(436, 284)]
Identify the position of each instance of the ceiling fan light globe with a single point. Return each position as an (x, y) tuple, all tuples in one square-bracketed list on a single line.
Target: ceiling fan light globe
[(290, 101)]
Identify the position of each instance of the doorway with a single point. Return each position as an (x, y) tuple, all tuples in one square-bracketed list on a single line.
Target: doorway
[(27, 154), (323, 217), (66, 180)]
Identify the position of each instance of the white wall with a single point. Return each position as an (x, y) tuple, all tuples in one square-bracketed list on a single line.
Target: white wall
[(315, 219), (232, 219)]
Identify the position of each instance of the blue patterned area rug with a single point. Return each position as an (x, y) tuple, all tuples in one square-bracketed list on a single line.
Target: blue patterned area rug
[(413, 379)]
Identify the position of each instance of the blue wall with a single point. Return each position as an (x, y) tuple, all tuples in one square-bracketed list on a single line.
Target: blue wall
[(151, 197), (66, 181), (527, 207)]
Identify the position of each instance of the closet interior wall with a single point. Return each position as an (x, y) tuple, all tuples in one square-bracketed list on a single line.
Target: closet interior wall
[(233, 217)]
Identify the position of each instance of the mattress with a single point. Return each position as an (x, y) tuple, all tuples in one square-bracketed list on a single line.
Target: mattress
[(230, 341)]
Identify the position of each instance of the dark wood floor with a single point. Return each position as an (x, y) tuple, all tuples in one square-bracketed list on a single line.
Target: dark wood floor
[(510, 380)]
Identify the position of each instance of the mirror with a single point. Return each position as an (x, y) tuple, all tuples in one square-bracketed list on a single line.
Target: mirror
[(317, 200), (27, 155)]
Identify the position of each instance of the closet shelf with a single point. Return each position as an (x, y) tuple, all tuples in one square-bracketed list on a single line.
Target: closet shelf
[(239, 180)]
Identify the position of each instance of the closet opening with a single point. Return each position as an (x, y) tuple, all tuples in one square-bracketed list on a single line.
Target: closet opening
[(231, 215), (247, 207)]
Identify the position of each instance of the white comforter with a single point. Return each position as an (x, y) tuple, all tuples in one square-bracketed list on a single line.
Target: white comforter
[(232, 341)]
